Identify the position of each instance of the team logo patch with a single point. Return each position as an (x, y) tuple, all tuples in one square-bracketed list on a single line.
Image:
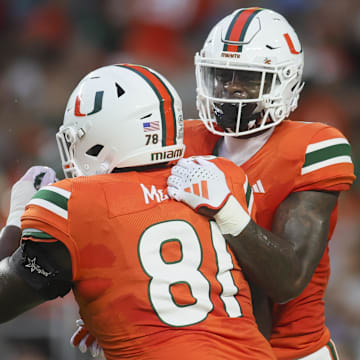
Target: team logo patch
[(199, 189), (258, 187), (35, 267), (267, 61)]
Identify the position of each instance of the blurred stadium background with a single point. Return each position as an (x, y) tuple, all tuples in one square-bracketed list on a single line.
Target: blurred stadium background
[(48, 46)]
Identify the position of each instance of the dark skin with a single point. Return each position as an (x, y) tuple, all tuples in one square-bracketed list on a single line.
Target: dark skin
[(279, 264), (11, 284), (282, 262), (262, 309), (16, 296), (9, 240)]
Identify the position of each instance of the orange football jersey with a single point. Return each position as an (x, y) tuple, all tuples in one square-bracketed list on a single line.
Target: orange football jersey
[(298, 156), (153, 279)]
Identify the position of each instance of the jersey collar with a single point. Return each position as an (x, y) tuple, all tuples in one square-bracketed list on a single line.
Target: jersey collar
[(240, 150)]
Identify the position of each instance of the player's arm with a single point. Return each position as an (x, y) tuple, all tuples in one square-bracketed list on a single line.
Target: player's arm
[(280, 262), (302, 221), (21, 193), (262, 309), (33, 274), (10, 237), (250, 243), (16, 296), (283, 261)]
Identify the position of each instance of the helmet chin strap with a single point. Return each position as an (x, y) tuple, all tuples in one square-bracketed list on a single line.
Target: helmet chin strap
[(227, 113)]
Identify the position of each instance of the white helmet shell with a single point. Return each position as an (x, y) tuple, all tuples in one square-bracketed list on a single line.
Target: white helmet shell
[(259, 42), (120, 116)]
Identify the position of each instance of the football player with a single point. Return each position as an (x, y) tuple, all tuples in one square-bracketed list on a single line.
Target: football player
[(248, 76), (153, 279)]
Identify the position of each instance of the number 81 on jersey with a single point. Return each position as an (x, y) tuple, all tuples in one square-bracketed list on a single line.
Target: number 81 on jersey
[(186, 270)]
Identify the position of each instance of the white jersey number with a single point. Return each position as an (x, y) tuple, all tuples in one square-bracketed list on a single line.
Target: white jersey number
[(164, 274)]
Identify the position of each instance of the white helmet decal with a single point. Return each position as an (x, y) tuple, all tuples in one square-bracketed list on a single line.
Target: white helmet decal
[(120, 116), (248, 72)]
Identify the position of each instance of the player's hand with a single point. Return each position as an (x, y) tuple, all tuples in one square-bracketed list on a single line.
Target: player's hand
[(24, 189), (83, 340), (200, 184)]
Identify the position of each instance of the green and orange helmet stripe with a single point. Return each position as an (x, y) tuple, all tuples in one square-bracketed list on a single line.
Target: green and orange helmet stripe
[(166, 100), (238, 27)]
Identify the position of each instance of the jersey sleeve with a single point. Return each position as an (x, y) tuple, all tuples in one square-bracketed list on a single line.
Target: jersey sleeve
[(46, 218), (327, 163)]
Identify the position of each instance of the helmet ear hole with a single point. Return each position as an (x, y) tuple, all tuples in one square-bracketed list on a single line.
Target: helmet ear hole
[(288, 72), (280, 112), (95, 150)]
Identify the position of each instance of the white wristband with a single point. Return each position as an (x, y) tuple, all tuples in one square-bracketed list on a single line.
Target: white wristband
[(232, 218)]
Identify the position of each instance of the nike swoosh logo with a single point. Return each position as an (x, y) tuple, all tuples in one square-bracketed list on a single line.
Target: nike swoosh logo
[(272, 48)]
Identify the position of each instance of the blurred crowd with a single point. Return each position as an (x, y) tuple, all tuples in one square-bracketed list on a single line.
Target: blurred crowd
[(47, 46)]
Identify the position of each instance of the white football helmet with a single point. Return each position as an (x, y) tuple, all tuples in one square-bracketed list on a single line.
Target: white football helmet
[(120, 116), (248, 73)]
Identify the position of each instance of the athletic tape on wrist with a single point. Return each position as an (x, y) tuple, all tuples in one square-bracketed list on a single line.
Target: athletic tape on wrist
[(232, 218)]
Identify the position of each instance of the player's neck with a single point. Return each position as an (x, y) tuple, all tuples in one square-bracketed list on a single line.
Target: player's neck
[(240, 150)]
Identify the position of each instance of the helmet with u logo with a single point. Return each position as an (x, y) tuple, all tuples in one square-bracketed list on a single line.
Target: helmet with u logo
[(248, 73), (120, 116)]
